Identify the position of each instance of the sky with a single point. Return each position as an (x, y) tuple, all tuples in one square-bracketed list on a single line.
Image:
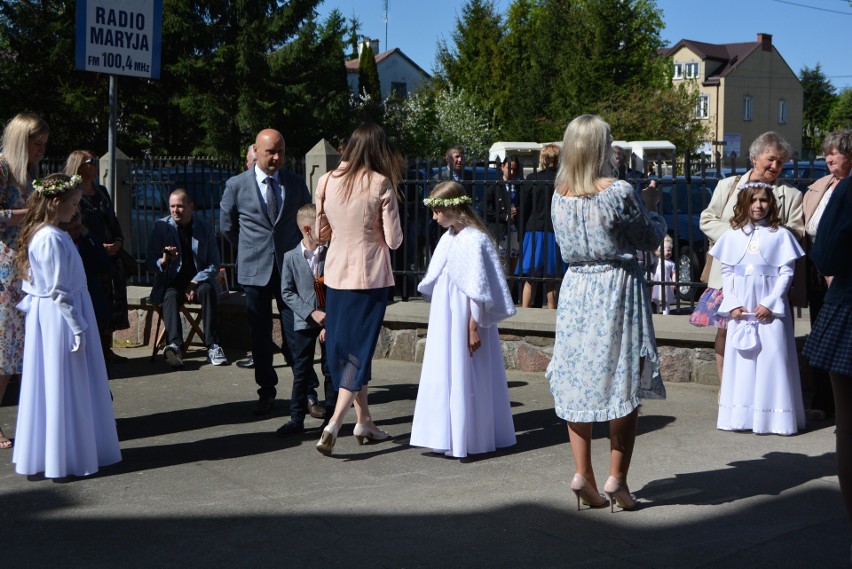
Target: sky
[(805, 32)]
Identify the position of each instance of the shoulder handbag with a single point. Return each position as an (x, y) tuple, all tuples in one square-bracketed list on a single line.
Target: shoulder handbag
[(708, 262)]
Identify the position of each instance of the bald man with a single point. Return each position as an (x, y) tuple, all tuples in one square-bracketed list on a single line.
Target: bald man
[(259, 218)]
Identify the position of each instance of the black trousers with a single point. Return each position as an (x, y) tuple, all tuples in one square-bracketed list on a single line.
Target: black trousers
[(305, 379), (175, 297), (259, 313)]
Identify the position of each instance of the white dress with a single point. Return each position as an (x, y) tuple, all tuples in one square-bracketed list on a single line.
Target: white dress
[(66, 424), (463, 402), (664, 272), (761, 390)]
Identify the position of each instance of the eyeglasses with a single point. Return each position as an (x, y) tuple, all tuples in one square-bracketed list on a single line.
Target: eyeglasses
[(92, 161)]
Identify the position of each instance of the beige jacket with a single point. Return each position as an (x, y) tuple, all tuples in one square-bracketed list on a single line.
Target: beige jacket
[(716, 219), (814, 195), (363, 230)]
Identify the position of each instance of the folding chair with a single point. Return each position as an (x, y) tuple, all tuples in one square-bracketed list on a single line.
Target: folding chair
[(192, 315)]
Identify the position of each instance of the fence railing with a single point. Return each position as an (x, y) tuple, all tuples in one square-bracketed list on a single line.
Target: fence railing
[(683, 199)]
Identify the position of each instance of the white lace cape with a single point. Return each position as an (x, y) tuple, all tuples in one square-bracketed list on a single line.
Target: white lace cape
[(474, 268)]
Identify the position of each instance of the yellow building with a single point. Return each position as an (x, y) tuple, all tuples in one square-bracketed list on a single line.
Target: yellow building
[(745, 89)]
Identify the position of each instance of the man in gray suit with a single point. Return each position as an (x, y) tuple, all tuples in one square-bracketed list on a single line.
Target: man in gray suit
[(184, 255), (259, 218)]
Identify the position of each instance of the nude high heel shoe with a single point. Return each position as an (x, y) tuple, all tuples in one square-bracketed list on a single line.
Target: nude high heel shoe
[(328, 439), (618, 494), (583, 490), (363, 434)]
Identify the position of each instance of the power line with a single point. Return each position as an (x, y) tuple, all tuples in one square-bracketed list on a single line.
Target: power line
[(813, 7)]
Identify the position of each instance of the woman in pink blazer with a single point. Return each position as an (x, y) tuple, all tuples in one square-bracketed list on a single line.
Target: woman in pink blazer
[(357, 210)]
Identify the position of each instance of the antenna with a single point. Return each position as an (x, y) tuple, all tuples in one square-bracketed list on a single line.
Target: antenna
[(386, 25)]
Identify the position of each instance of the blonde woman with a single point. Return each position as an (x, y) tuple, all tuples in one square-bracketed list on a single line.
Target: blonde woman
[(605, 355), (23, 145)]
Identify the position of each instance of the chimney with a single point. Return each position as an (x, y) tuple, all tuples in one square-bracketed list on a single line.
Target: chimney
[(765, 41), (373, 43)]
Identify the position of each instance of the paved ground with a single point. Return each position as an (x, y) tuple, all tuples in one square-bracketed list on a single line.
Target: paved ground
[(203, 484)]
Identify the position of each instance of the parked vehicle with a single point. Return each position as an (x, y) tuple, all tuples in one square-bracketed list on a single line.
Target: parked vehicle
[(682, 202), (803, 174)]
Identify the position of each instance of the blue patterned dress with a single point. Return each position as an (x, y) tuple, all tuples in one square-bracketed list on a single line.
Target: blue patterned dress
[(603, 320), (11, 319)]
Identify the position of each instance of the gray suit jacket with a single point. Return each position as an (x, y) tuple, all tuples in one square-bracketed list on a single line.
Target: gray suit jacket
[(260, 244), (297, 287), (205, 253)]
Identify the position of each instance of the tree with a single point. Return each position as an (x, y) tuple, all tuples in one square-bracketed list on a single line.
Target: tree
[(473, 63), (353, 39), (637, 116), (368, 74), (840, 116), (818, 98)]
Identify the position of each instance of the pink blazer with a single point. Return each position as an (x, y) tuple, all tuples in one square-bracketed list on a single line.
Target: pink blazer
[(363, 231)]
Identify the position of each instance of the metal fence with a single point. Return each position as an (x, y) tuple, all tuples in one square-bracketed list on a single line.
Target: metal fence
[(683, 199)]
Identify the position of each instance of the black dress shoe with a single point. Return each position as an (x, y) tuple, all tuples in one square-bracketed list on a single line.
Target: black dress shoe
[(316, 410), (246, 364), (290, 428), (264, 406)]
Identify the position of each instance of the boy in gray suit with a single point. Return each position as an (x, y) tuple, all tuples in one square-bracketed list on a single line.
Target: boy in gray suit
[(304, 293)]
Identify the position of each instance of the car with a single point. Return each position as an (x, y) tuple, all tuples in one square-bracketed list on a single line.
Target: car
[(802, 174), (682, 200)]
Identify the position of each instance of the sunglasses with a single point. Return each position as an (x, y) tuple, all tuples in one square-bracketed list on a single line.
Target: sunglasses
[(92, 161)]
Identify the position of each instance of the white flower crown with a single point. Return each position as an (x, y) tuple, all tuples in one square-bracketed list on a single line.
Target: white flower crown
[(763, 185), (56, 187), (447, 202)]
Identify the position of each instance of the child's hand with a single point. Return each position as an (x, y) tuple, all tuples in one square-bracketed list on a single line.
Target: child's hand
[(762, 313), (473, 341), (322, 336), (318, 316), (737, 313), (79, 343)]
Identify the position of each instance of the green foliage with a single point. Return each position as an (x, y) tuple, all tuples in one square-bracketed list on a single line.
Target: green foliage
[(474, 62), (840, 116), (818, 99), (426, 123), (638, 116), (368, 74), (552, 60), (229, 69)]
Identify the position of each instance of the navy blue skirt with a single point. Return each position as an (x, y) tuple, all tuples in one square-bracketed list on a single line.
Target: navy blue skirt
[(829, 345), (540, 255), (352, 323)]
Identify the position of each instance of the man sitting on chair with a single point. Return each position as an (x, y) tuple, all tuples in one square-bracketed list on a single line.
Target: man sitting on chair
[(184, 256)]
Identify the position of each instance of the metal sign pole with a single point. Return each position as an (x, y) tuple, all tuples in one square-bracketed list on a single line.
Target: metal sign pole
[(113, 131)]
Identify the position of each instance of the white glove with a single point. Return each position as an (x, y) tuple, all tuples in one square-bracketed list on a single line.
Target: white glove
[(79, 342)]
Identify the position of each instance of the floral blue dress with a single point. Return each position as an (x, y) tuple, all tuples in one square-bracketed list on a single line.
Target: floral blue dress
[(603, 320), (11, 319)]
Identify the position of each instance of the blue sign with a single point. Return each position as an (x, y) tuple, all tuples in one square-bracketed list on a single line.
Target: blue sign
[(120, 37)]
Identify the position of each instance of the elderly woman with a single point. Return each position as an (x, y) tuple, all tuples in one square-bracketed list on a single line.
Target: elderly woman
[(605, 355), (23, 145), (837, 147), (768, 153), (99, 219)]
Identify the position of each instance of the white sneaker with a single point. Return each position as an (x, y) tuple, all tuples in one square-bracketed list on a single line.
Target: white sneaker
[(216, 356), (172, 355)]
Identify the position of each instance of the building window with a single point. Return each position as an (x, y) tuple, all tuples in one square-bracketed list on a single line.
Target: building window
[(678, 71), (702, 109), (782, 111), (399, 89), (691, 70), (748, 104)]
